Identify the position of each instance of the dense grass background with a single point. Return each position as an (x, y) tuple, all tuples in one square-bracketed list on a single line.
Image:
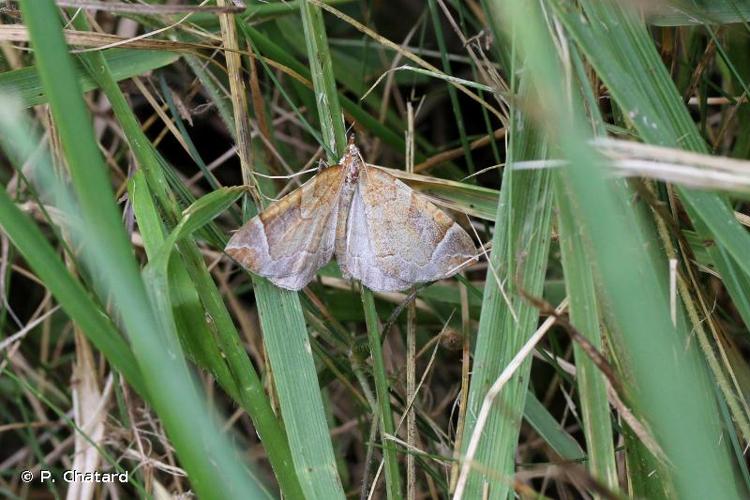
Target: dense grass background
[(596, 149)]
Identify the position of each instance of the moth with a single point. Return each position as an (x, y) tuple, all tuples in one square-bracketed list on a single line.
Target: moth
[(382, 232)]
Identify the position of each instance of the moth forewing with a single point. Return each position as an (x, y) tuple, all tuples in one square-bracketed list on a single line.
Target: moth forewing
[(295, 236), (355, 251), (411, 240)]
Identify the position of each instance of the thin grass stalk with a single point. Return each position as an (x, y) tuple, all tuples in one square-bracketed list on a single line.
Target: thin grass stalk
[(238, 92), (411, 341), (392, 476), (411, 383)]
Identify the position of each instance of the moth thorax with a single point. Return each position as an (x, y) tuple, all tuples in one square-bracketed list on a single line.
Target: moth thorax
[(352, 169)]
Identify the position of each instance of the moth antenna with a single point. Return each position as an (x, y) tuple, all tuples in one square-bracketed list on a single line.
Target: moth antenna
[(291, 176)]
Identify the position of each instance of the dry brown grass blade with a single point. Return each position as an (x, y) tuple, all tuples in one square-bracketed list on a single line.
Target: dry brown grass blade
[(455, 153), (239, 102), (19, 34), (89, 405), (146, 9)]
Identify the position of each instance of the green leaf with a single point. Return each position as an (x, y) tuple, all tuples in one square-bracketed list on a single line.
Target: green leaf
[(124, 63), (550, 430), (678, 13)]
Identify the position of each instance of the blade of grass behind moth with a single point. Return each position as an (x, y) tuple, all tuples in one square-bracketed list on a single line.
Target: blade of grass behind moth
[(334, 134), (471, 199), (520, 247), (208, 458), (289, 352), (669, 378), (251, 393), (324, 83)]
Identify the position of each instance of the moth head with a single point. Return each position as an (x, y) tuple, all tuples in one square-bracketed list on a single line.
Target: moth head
[(352, 151)]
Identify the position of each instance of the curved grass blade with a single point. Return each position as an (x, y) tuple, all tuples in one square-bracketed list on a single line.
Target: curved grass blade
[(631, 281), (124, 63), (211, 463)]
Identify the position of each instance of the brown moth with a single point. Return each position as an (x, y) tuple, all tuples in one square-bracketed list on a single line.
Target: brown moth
[(383, 233)]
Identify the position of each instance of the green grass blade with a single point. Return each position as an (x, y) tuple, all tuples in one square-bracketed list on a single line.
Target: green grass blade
[(550, 430), (631, 281), (324, 82), (518, 258), (210, 462), (196, 338), (584, 315), (385, 415), (691, 13), (288, 347), (124, 63), (194, 217)]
